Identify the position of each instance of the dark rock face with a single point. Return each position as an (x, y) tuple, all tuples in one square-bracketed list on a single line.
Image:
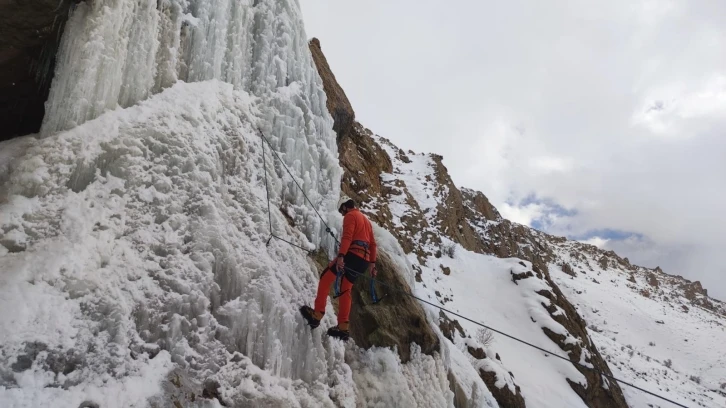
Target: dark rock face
[(479, 203), (338, 104), (30, 32), (449, 326), (395, 321), (692, 289), (504, 396), (478, 352), (566, 268)]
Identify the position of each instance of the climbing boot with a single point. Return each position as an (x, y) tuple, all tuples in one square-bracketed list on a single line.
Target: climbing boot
[(311, 316), (339, 333)]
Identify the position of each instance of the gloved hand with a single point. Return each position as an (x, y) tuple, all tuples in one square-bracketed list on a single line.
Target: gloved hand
[(339, 264), (373, 270)]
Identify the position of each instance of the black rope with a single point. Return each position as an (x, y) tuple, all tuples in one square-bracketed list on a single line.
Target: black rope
[(267, 190), (327, 227), (395, 289), (288, 242), (269, 212)]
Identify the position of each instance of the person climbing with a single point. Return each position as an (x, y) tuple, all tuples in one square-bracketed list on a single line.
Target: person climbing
[(357, 255)]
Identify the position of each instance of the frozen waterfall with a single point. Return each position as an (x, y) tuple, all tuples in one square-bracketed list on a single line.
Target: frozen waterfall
[(116, 53)]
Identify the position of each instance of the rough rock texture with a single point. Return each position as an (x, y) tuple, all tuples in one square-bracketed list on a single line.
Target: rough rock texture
[(338, 104), (29, 36), (449, 326), (382, 324), (566, 268), (597, 393), (477, 203), (452, 212), (691, 290), (363, 161), (504, 396)]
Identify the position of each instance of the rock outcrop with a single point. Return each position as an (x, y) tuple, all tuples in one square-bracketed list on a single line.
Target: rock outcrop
[(395, 321), (30, 32), (338, 104), (504, 396), (380, 324)]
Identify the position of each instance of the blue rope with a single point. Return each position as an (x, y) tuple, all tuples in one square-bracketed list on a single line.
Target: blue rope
[(373, 291), (338, 280)]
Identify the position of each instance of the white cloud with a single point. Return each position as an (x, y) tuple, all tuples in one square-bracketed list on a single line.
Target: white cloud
[(549, 164), (680, 112), (522, 214), (597, 241)]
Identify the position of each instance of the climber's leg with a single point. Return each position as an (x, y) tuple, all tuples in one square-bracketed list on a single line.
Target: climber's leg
[(327, 279), (344, 304)]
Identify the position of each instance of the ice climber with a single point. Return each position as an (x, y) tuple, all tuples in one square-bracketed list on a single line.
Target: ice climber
[(357, 255)]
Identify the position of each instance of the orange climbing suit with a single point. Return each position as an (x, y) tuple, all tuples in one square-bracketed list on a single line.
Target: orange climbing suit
[(357, 233)]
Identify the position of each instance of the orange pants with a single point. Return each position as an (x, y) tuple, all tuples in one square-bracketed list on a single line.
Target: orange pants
[(344, 300)]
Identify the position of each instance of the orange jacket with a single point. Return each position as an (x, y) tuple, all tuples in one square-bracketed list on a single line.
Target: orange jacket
[(356, 227)]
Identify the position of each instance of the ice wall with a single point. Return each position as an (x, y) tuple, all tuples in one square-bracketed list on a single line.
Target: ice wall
[(118, 52), (138, 239), (115, 53)]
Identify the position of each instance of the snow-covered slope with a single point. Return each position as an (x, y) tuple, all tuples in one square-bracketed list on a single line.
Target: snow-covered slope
[(647, 329)]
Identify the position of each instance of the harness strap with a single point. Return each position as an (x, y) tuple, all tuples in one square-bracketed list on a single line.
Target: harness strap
[(363, 245)]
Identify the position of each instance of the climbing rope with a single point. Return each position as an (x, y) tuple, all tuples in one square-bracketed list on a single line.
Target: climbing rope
[(403, 292)]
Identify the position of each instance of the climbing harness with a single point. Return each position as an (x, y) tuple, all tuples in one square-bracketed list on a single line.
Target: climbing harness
[(441, 308), (364, 245)]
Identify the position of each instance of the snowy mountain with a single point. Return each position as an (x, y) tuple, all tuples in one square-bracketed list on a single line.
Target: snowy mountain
[(137, 269)]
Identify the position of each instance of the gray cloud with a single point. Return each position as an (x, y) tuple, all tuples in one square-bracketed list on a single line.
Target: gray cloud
[(617, 110)]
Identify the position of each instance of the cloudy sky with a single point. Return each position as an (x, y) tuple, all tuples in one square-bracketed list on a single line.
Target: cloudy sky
[(601, 122)]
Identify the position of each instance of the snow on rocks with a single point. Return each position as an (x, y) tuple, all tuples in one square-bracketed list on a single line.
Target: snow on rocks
[(663, 358), (483, 289)]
